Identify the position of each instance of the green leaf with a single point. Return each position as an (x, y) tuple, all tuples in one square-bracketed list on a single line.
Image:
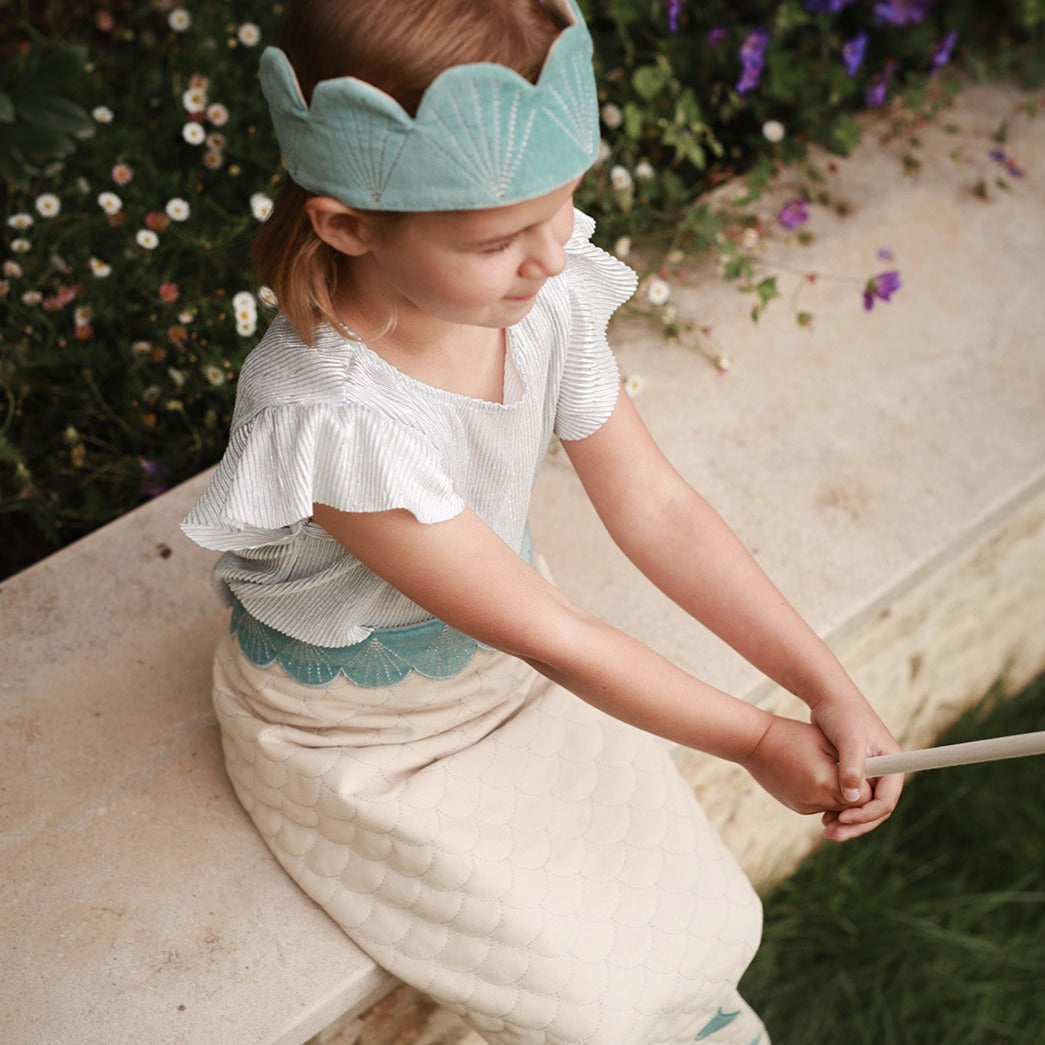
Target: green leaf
[(61, 70), (56, 114), (634, 120), (844, 135), (767, 290), (7, 109), (650, 80)]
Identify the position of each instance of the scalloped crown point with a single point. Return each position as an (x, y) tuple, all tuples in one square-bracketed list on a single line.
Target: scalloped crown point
[(484, 136)]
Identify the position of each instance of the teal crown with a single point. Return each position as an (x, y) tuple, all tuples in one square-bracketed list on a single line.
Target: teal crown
[(484, 136)]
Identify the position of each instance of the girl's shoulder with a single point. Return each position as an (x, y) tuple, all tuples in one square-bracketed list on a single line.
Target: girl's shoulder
[(587, 263), (283, 371)]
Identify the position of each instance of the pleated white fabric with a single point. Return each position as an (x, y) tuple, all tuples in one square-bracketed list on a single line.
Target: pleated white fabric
[(334, 423), (536, 866)]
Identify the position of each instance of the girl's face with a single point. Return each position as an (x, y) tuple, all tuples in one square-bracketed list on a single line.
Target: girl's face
[(475, 268)]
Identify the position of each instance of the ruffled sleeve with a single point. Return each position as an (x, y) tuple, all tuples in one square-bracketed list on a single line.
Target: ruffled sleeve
[(288, 457), (597, 285)]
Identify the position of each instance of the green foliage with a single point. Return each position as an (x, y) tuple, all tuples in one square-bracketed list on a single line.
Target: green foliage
[(671, 100), (120, 334), (931, 928), (126, 302), (38, 117)]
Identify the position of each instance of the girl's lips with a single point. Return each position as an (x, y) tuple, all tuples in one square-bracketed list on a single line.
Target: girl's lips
[(524, 297)]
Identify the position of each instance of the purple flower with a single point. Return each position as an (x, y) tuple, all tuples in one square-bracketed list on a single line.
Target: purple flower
[(882, 286), (154, 478), (716, 36), (942, 51), (879, 89), (674, 10), (853, 52), (884, 254), (1002, 157), (794, 212), (901, 12), (832, 6), (752, 57)]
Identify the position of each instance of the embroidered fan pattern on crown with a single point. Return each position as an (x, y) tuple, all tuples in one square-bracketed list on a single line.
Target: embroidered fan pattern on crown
[(483, 136), (381, 144), (487, 141)]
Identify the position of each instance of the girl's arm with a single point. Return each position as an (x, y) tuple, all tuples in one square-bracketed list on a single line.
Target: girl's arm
[(687, 550), (462, 573)]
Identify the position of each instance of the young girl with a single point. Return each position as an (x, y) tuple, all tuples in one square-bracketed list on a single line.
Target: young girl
[(436, 744)]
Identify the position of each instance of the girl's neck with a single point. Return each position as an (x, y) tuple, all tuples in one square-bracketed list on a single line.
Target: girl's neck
[(466, 360)]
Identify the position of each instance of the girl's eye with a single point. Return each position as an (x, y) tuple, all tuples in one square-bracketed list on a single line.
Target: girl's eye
[(498, 247)]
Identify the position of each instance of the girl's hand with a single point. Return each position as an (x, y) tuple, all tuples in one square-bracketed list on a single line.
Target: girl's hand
[(797, 765), (855, 731)]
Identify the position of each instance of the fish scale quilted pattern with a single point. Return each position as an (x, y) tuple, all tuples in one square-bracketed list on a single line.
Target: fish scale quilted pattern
[(534, 865)]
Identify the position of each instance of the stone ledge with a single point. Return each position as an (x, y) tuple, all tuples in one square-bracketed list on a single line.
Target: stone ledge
[(886, 468)]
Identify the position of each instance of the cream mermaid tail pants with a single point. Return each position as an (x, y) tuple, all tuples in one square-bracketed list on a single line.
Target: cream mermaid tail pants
[(534, 865)]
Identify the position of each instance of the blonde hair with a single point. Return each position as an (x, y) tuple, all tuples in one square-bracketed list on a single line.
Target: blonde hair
[(400, 46)]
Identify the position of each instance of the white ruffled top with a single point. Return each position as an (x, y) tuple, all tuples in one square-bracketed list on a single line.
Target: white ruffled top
[(335, 424)]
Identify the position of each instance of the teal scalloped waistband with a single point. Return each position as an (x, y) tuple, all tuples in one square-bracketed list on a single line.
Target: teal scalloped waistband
[(386, 656)]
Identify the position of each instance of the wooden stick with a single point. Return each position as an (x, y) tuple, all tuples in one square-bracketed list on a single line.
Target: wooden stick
[(1015, 746)]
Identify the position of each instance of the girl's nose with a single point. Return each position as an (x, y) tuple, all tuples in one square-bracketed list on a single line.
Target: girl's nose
[(546, 255)]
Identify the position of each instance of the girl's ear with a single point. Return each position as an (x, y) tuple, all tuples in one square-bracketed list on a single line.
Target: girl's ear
[(344, 228)]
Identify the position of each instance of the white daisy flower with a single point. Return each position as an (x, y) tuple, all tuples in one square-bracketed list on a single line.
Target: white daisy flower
[(603, 154), (141, 348), (147, 238), (622, 248), (32, 297), (179, 19), (48, 204), (99, 267), (194, 133), (244, 304), (644, 171), (260, 206), (21, 245), (177, 209), (20, 221), (611, 115), (749, 238), (634, 384), (773, 131), (267, 297), (218, 114), (110, 203), (620, 177), (102, 114), (214, 374), (194, 99), (248, 34), (177, 376), (12, 269), (246, 327), (213, 159), (658, 292)]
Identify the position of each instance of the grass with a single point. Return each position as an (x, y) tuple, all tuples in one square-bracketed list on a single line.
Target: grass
[(930, 930)]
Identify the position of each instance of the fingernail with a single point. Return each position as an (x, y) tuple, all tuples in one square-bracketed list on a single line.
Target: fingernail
[(851, 794)]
